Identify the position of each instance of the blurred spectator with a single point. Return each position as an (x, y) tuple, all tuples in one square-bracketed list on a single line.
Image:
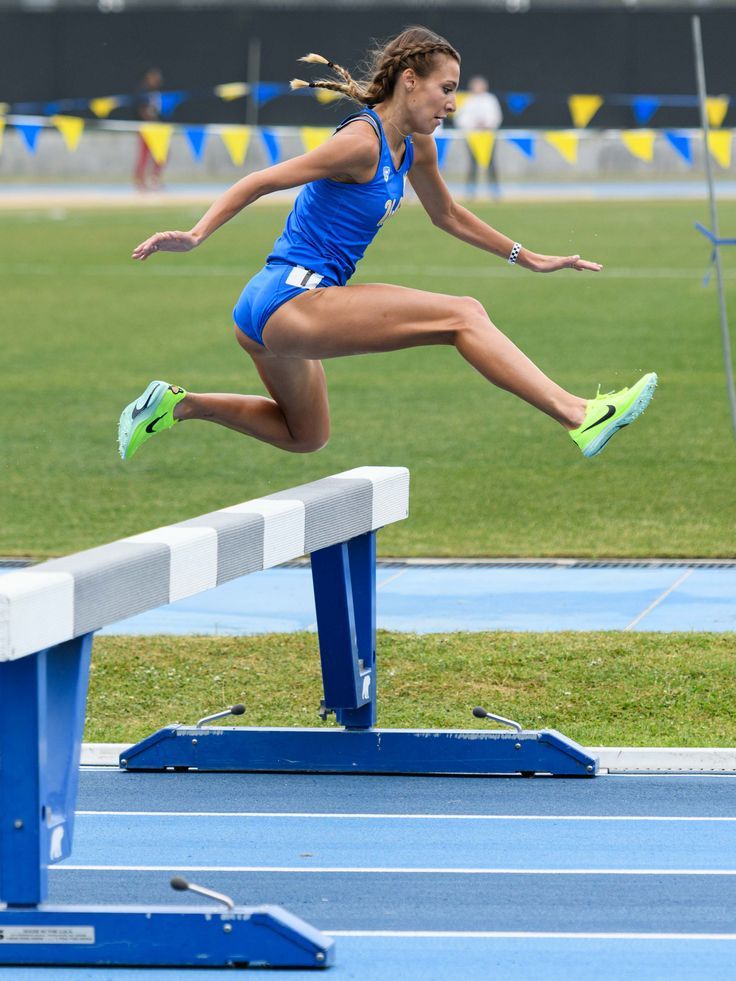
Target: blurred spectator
[(480, 111), (147, 174)]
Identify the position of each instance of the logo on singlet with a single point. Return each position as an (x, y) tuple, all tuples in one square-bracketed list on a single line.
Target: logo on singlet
[(386, 173)]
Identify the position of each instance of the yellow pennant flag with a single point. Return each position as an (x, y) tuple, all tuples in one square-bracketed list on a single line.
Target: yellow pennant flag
[(460, 99), (716, 106), (565, 143), (237, 140), (314, 136), (583, 108), (326, 95), (640, 143), (719, 144), (4, 107), (232, 90), (2, 130), (481, 146), (71, 129), (104, 106), (157, 137)]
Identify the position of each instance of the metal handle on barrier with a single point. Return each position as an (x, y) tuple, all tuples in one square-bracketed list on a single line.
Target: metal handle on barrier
[(234, 710), (181, 885), (481, 713)]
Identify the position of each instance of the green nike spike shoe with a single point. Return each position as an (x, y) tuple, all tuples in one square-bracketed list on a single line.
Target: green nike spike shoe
[(606, 414), (151, 413)]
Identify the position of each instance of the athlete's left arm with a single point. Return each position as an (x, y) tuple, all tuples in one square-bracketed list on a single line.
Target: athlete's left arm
[(452, 217)]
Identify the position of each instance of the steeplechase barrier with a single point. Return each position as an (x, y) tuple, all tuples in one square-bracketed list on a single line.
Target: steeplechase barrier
[(48, 615)]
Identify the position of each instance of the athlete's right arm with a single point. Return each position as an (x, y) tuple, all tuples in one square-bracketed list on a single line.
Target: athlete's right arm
[(350, 155)]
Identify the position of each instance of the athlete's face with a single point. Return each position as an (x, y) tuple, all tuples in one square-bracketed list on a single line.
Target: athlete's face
[(430, 99)]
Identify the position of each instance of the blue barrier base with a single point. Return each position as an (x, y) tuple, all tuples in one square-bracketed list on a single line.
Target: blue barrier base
[(390, 751), (161, 935)]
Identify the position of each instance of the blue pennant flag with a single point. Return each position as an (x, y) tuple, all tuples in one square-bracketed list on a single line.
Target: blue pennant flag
[(519, 101), (525, 144), (682, 144), (52, 108), (170, 100), (29, 132), (266, 91), (271, 142), (197, 137), (442, 142), (644, 107)]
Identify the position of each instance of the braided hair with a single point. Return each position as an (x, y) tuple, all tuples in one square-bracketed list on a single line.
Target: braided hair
[(415, 48)]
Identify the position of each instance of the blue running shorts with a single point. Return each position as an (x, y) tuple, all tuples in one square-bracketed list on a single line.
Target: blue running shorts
[(269, 289)]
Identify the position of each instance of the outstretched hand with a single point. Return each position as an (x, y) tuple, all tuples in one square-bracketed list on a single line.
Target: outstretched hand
[(165, 242), (551, 263)]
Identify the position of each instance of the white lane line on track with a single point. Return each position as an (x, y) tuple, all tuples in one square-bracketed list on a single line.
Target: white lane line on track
[(380, 870), (658, 600), (525, 934), (400, 817)]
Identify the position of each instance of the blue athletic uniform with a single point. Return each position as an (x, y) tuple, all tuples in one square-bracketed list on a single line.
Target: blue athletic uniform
[(326, 234)]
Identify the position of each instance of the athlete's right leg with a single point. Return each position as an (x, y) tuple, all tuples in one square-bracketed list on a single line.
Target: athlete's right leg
[(295, 418)]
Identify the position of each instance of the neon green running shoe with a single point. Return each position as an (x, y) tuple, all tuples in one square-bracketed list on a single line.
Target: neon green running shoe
[(151, 413), (606, 414)]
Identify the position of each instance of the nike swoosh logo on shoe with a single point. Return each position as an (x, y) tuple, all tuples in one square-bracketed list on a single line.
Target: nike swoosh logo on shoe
[(610, 409), (149, 427), (140, 408)]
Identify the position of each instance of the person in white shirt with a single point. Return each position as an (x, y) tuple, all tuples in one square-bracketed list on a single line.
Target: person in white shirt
[(480, 111)]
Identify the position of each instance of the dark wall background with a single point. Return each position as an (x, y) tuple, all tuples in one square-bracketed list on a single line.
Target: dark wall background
[(552, 53)]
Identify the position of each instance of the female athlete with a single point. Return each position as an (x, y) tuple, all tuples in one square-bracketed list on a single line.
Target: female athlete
[(298, 309)]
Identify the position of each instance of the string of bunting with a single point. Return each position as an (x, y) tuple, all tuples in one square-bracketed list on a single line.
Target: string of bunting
[(582, 107), (157, 135)]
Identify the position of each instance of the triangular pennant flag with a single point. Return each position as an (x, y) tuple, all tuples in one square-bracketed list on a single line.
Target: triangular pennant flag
[(525, 143), (640, 143), (565, 143), (196, 137), (481, 146), (232, 90), (236, 139), (719, 144), (266, 91), (157, 137), (169, 101), (4, 108), (682, 144), (326, 96), (716, 107), (71, 128), (29, 132), (442, 142), (2, 130), (271, 143), (104, 106), (517, 102), (583, 108), (644, 107), (314, 136)]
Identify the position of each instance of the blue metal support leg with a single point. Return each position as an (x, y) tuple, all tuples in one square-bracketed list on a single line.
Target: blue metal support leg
[(344, 578), (42, 710)]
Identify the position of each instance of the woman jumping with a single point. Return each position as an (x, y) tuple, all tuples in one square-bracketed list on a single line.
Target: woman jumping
[(298, 310)]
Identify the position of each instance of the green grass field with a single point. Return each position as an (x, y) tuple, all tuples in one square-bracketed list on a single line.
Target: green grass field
[(85, 329)]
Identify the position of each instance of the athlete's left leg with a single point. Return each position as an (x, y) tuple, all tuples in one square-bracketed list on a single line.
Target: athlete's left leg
[(345, 320)]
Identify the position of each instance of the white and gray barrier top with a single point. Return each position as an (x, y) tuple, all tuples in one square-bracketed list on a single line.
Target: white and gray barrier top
[(55, 601)]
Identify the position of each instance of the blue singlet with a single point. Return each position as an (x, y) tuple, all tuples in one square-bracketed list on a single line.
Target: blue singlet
[(326, 234)]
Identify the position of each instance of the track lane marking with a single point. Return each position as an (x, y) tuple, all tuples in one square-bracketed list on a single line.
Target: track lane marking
[(302, 815), (381, 870), (658, 600)]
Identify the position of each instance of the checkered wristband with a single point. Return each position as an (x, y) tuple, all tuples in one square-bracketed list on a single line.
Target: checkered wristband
[(514, 253)]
